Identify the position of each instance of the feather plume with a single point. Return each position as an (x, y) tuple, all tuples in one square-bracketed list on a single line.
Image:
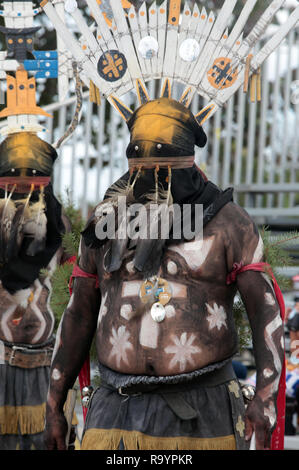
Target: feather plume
[(149, 250), (7, 213), (17, 234), (36, 226), (118, 246)]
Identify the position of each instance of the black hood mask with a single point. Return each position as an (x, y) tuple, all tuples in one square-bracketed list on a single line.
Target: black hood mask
[(162, 171)]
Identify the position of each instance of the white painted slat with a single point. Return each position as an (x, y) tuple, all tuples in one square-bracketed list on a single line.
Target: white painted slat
[(240, 23), (162, 27), (107, 41), (206, 25), (153, 31), (170, 49), (215, 36), (63, 74), (205, 88), (28, 10), (224, 95), (136, 35), (181, 65), (19, 21), (126, 40), (86, 33), (8, 20), (144, 31), (72, 44)]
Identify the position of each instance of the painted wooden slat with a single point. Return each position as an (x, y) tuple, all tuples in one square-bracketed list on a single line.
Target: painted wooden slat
[(215, 36), (222, 51), (28, 12), (206, 24), (249, 42), (107, 41), (153, 31), (144, 31), (72, 44), (257, 61), (127, 43), (136, 35), (19, 21), (181, 65), (162, 28), (63, 73), (8, 19), (171, 40)]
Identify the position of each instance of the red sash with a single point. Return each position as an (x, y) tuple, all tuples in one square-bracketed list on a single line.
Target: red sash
[(277, 442)]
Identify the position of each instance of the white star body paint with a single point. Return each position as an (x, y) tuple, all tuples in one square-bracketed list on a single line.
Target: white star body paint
[(183, 349), (217, 316), (120, 345)]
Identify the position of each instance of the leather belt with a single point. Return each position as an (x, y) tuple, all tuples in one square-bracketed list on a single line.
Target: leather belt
[(26, 358), (173, 393)]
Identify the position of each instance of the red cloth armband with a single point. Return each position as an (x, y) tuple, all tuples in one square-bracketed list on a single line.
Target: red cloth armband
[(78, 272)]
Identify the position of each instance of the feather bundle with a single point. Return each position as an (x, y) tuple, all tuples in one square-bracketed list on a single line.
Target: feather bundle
[(7, 213), (118, 246), (35, 226), (149, 250)]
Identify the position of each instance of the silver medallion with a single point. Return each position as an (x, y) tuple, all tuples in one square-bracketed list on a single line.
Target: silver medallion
[(158, 312), (148, 47), (189, 50)]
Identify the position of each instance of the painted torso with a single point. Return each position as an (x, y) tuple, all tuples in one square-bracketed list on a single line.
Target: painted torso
[(198, 329), (27, 317)]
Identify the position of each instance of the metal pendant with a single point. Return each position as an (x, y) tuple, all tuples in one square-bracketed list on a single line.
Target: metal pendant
[(158, 312)]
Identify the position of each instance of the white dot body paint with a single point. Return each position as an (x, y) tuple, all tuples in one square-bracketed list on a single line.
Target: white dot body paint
[(170, 311), (126, 311), (172, 267), (269, 299), (267, 373), (56, 375)]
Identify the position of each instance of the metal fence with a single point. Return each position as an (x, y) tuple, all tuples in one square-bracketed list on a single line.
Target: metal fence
[(253, 147)]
